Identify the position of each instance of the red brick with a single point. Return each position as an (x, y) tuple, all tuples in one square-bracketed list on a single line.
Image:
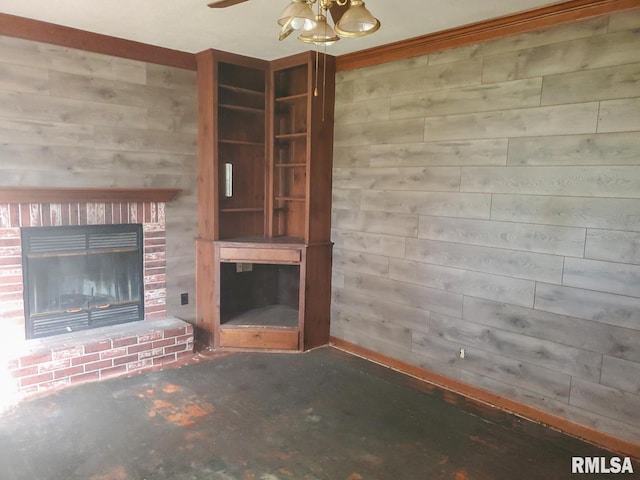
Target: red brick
[(113, 371), (141, 347), (95, 366), (25, 372), (116, 352), (127, 359), (174, 332), (150, 337), (175, 348), (184, 338), (85, 377), (188, 355), (155, 315), (92, 357), (35, 359), (54, 365), (57, 385), (164, 359), (164, 343), (67, 353), (98, 346), (124, 342), (43, 377), (140, 365), (155, 352), (67, 372)]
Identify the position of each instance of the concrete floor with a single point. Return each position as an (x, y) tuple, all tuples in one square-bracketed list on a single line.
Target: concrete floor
[(319, 415)]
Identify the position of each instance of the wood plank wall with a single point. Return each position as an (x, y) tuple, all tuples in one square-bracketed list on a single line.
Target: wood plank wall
[(70, 118), (488, 198)]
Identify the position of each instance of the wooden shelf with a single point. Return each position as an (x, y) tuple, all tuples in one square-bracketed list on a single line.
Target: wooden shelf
[(241, 210), (291, 136), (65, 195), (291, 199), (235, 88), (241, 142), (300, 97), (242, 108), (290, 165)]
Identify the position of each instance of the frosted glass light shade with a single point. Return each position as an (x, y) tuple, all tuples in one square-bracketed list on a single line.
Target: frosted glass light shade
[(298, 16), (322, 34), (357, 21)]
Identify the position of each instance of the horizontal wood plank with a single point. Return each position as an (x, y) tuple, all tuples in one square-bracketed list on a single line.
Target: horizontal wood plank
[(55, 194)]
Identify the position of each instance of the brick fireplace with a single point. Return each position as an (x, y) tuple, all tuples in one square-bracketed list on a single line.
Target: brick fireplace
[(34, 366)]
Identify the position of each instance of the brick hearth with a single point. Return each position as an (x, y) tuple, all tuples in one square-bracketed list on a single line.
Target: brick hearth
[(30, 367)]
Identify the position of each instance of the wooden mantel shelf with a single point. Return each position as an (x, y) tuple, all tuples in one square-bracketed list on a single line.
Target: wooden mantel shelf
[(65, 195)]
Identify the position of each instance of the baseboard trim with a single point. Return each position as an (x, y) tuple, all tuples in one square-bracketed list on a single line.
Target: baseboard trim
[(587, 434)]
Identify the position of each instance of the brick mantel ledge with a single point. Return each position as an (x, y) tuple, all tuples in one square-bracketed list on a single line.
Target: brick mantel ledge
[(89, 194)]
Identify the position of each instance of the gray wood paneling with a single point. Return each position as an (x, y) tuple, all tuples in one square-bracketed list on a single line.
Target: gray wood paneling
[(581, 29), (394, 314), (599, 84), (418, 79), (16, 78), (621, 374), (508, 235), (373, 110), (42, 108), (605, 400), (590, 305), (556, 357), (61, 59), (619, 115), (479, 98), (345, 198), (435, 179), (499, 261), (599, 149), (171, 77), (624, 20), (373, 243), (376, 222), (524, 122), (391, 131), (563, 57), (534, 252), (602, 276), (586, 181), (466, 282), (351, 157), (460, 152), (128, 139), (470, 205), (375, 328), (607, 213), (414, 296), (613, 245), (348, 261), (16, 131), (577, 332)]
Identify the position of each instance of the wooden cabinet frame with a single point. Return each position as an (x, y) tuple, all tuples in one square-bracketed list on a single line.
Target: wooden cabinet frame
[(278, 212)]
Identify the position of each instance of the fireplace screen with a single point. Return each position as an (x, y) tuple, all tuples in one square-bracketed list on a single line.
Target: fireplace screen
[(82, 277)]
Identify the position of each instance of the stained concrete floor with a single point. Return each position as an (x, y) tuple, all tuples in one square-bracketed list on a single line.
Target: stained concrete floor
[(320, 415)]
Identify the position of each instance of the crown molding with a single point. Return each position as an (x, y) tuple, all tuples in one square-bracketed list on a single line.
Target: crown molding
[(36, 30), (479, 32)]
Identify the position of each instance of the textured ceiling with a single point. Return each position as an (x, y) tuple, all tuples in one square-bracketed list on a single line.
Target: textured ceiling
[(250, 28)]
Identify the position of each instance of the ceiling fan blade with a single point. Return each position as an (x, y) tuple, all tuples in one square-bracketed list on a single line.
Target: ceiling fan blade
[(337, 11), (224, 3)]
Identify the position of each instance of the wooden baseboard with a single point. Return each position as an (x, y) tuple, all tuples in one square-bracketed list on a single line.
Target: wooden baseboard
[(587, 434)]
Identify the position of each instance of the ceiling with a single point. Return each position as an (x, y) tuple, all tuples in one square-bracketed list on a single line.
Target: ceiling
[(250, 28)]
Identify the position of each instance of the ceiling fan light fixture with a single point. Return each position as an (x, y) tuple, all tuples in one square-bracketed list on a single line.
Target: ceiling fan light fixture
[(357, 21), (322, 34), (297, 16)]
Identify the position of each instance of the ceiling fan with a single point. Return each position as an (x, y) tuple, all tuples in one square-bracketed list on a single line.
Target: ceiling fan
[(350, 17)]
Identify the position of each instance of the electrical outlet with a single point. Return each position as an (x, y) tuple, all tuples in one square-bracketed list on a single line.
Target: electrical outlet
[(462, 353), (184, 298)]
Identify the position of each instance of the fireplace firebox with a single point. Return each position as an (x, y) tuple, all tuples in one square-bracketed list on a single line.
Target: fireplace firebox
[(81, 277)]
